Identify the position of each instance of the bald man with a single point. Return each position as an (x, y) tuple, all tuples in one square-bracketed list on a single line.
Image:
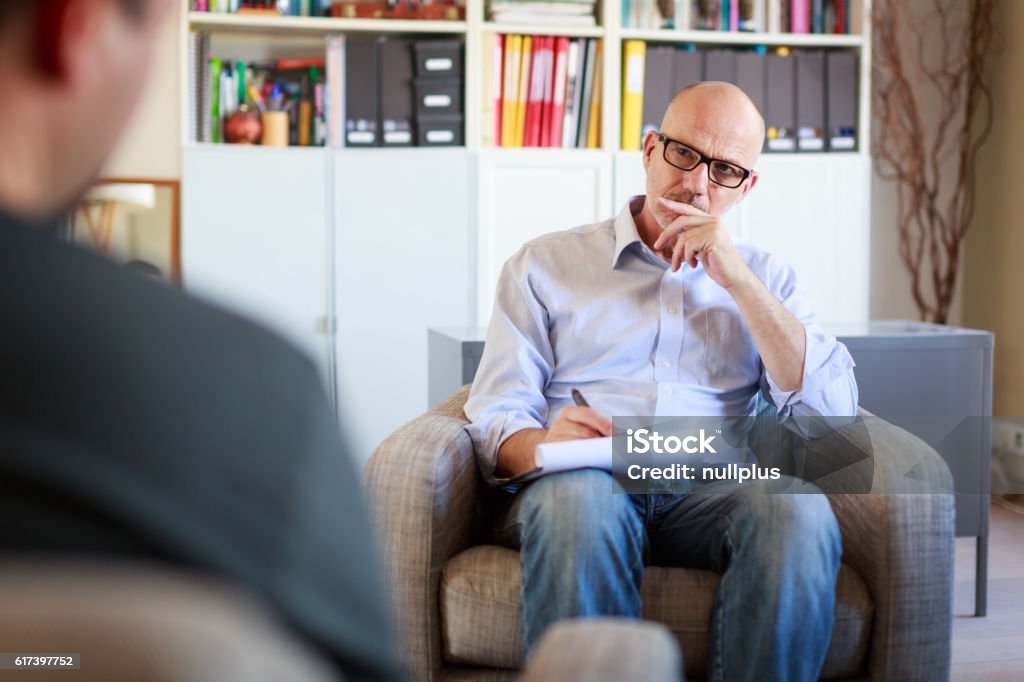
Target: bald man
[(660, 312)]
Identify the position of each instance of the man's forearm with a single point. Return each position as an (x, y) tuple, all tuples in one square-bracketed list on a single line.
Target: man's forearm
[(780, 337), (516, 454)]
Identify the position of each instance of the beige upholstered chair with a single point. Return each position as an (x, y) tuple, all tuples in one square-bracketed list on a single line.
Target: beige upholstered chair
[(457, 597)]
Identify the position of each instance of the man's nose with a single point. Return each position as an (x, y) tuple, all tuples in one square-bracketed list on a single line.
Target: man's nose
[(697, 179)]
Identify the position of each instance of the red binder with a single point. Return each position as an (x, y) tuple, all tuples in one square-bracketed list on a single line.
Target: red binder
[(497, 76), (531, 134), (559, 77), (548, 95)]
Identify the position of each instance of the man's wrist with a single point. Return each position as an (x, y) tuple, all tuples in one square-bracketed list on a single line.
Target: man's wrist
[(748, 287)]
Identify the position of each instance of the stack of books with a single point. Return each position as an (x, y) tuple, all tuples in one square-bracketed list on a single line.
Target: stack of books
[(542, 91), (545, 12), (763, 16)]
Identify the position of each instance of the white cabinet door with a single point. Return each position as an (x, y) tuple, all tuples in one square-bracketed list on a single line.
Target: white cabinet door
[(526, 193), (811, 210), (254, 236), (402, 241)]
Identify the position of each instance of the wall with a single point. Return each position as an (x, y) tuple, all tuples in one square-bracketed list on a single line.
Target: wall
[(994, 277), (151, 146)]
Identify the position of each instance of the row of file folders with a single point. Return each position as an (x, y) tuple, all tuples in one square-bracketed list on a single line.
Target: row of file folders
[(541, 91), (808, 97), (376, 91)]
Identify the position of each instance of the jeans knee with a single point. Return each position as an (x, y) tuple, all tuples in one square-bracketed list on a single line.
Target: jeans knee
[(563, 509), (802, 521)]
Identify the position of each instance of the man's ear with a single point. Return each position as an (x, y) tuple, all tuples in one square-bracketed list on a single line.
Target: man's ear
[(61, 26), (749, 185), (650, 143)]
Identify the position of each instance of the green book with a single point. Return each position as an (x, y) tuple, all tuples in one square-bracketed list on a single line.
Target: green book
[(215, 73)]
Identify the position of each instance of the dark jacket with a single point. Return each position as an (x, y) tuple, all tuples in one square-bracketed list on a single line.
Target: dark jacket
[(137, 421)]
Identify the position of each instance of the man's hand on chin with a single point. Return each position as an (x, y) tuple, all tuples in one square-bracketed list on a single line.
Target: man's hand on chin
[(695, 235)]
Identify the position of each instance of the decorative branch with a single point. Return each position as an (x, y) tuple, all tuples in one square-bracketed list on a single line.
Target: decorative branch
[(933, 166)]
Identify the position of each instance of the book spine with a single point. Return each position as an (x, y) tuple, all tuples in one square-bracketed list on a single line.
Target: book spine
[(524, 90), (572, 66), (335, 104), (496, 85), (634, 52), (531, 136), (800, 16), (510, 95), (559, 92), (594, 125)]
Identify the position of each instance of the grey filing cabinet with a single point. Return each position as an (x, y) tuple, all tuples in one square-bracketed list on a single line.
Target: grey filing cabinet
[(910, 373)]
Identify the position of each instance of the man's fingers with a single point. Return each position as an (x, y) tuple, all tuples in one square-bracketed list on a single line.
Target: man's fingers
[(573, 431), (682, 208), (589, 417), (677, 227), (678, 253)]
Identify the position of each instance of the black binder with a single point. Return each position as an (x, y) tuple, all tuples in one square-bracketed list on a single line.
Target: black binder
[(396, 93), (362, 79), (720, 65), (688, 68), (841, 111), (659, 86), (810, 101), (750, 77), (779, 103)]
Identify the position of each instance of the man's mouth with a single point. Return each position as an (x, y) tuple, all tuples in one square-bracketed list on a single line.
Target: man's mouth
[(690, 200)]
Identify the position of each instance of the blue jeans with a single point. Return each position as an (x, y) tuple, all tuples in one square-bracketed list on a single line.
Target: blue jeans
[(583, 549)]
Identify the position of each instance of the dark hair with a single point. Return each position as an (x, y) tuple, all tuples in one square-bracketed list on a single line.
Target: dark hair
[(9, 9)]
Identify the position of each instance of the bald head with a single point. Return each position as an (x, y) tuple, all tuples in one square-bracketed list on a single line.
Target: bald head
[(723, 112), (718, 122)]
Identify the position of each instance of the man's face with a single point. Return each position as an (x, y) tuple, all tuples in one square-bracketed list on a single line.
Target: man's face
[(719, 126), (108, 57)]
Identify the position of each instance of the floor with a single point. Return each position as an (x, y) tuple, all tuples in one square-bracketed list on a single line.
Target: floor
[(991, 649)]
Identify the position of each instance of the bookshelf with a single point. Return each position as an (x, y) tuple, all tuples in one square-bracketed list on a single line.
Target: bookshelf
[(610, 31), (271, 25), (303, 253)]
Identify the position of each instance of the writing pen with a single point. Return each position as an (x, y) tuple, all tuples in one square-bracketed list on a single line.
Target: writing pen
[(579, 399)]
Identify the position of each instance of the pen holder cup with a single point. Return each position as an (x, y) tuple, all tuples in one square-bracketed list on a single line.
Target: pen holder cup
[(275, 129)]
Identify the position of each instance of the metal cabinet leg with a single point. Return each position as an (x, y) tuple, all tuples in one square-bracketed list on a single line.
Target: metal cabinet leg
[(981, 576)]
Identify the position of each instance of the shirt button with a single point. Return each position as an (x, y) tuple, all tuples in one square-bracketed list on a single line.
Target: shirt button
[(672, 311), (666, 363)]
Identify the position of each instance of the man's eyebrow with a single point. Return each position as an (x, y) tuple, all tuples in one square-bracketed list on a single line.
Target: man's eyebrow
[(702, 152)]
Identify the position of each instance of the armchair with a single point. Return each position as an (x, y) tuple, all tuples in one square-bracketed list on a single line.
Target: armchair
[(457, 597)]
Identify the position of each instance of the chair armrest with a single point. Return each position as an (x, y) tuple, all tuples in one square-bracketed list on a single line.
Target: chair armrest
[(900, 538), (424, 486), (132, 620), (606, 650)]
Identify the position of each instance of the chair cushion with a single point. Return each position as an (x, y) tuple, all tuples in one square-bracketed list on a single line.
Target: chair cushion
[(480, 612)]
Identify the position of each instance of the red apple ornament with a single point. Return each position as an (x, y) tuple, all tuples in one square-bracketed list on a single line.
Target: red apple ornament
[(243, 126)]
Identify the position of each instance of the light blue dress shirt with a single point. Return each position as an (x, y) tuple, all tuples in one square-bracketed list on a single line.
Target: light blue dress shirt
[(594, 308)]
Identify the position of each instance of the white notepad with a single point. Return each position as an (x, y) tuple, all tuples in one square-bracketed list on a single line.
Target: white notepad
[(584, 453)]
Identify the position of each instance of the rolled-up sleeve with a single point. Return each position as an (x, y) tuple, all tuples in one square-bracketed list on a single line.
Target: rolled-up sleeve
[(517, 364), (829, 387)]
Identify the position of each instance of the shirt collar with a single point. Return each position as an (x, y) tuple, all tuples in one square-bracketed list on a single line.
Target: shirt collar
[(626, 230), (625, 226)]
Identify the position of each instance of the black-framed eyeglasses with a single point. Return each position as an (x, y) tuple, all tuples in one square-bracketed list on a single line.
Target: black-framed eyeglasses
[(685, 157)]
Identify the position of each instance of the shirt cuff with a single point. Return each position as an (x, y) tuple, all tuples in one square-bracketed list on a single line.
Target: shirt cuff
[(828, 382), (488, 439)]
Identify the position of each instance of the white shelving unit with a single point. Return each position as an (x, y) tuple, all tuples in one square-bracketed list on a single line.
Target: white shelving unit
[(333, 259)]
